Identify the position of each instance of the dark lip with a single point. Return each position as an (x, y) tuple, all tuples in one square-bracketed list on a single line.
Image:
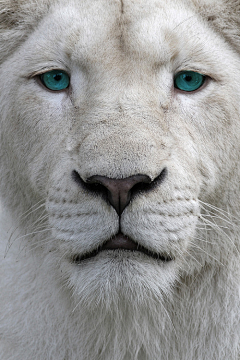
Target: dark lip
[(122, 242)]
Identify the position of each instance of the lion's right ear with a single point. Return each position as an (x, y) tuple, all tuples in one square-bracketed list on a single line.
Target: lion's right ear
[(17, 18), (224, 17)]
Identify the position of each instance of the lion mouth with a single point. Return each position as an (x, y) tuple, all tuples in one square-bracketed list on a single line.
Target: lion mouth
[(122, 242)]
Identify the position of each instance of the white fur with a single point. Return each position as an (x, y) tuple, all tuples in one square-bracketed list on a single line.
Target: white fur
[(120, 117)]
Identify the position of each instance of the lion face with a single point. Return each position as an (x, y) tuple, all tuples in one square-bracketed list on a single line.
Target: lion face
[(121, 157)]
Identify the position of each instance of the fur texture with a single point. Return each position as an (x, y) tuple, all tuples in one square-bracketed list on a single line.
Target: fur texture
[(121, 116)]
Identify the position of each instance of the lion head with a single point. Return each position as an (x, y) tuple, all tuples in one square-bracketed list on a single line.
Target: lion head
[(120, 143)]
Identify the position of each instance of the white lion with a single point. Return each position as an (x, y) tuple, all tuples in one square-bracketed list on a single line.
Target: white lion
[(119, 162)]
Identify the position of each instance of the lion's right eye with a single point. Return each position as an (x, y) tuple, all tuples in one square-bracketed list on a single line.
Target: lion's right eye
[(55, 80)]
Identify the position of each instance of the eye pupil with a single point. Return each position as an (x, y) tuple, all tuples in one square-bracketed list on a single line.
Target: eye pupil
[(189, 80), (57, 77), (55, 80)]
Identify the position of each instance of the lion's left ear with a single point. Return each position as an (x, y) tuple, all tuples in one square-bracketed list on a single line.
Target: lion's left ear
[(224, 17)]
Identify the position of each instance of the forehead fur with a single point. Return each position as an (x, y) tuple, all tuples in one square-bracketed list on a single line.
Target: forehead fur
[(18, 18)]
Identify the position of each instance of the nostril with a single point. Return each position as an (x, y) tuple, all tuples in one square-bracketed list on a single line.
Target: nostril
[(77, 178), (160, 178), (90, 186), (145, 187)]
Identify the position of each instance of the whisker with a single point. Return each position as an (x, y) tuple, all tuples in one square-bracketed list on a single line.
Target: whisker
[(205, 241), (212, 215), (30, 211), (199, 248), (9, 245), (193, 258), (181, 254), (219, 230), (212, 223), (24, 216), (216, 209), (41, 243)]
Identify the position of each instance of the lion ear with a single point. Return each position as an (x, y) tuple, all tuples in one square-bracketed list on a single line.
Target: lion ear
[(224, 17)]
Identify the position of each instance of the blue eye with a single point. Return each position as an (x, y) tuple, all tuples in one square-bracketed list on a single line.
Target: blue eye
[(55, 80), (189, 80)]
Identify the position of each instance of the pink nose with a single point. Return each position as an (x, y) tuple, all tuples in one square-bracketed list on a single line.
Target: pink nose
[(119, 192)]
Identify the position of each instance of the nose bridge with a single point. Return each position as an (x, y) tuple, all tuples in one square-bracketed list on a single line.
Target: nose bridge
[(121, 137), (120, 152)]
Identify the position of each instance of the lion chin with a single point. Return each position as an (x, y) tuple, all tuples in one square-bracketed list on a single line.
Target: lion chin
[(119, 185)]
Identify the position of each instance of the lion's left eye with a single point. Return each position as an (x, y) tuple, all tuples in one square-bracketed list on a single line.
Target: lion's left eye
[(188, 80), (55, 80)]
